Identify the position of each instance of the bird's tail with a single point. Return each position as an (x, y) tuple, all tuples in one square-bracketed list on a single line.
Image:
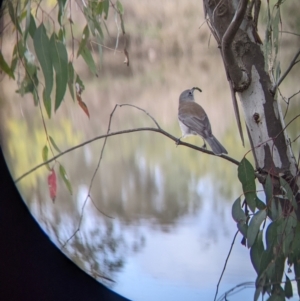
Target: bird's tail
[(215, 145)]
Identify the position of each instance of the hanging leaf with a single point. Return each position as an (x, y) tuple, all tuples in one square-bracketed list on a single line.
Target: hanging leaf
[(27, 22), (71, 79), (83, 107), (61, 8), (287, 192), (120, 7), (88, 58), (54, 144), (288, 290), (285, 232), (42, 49), (105, 8), (237, 213), (271, 235), (32, 26), (59, 58), (5, 67), (65, 178), (254, 226), (256, 252), (13, 16), (52, 185), (246, 176), (45, 156), (85, 36)]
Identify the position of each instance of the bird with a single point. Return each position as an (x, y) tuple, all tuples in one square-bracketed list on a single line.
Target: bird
[(194, 121)]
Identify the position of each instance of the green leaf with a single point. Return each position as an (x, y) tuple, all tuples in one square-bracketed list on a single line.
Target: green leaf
[(287, 192), (99, 8), (265, 261), (32, 26), (275, 31), (237, 212), (61, 8), (288, 290), (45, 156), (62, 35), (54, 144), (295, 248), (64, 176), (71, 79), (27, 23), (42, 49), (271, 235), (285, 232), (246, 176), (59, 58), (13, 17), (87, 56), (257, 293), (256, 252), (260, 205), (4, 66), (85, 36), (105, 8), (79, 82), (275, 297), (254, 226), (297, 274), (243, 228), (120, 7)]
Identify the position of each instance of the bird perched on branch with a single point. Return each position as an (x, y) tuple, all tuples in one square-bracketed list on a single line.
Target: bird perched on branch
[(194, 121)]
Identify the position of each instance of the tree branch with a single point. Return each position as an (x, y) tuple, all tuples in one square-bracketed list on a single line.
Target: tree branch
[(161, 131), (292, 64), (225, 264)]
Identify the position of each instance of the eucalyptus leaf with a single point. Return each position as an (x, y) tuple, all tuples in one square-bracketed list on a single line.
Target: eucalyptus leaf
[(42, 49), (254, 226), (246, 176), (65, 178), (59, 58)]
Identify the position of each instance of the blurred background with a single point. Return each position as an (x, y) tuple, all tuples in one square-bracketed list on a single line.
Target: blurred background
[(159, 218)]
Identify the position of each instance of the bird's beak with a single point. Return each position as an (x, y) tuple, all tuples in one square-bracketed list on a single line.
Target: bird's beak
[(196, 88)]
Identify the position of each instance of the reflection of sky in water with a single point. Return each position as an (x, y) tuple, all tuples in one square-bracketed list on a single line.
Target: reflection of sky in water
[(184, 260)]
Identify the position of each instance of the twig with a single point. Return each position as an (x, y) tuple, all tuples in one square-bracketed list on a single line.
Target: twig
[(292, 64), (161, 131), (92, 180), (225, 264), (130, 105)]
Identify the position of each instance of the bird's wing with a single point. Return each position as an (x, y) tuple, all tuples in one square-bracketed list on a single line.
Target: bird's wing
[(193, 116)]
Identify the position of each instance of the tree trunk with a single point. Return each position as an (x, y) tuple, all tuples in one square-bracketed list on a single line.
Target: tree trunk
[(235, 29)]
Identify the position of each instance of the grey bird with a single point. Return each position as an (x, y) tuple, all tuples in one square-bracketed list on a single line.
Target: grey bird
[(194, 121)]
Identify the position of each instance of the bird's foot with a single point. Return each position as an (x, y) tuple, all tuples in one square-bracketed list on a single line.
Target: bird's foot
[(177, 141), (204, 146)]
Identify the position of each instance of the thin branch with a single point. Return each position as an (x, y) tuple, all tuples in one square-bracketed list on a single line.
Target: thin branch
[(130, 105), (225, 264), (292, 64), (289, 32), (161, 131)]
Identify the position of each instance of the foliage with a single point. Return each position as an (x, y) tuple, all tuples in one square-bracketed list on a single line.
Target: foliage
[(50, 54), (281, 236)]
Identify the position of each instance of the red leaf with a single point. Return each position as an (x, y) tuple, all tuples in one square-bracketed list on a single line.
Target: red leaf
[(52, 185), (83, 106)]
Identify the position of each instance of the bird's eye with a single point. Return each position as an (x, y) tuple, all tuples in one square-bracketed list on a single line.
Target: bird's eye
[(190, 93)]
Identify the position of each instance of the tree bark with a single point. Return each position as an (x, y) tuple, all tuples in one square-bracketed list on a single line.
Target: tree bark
[(234, 27)]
